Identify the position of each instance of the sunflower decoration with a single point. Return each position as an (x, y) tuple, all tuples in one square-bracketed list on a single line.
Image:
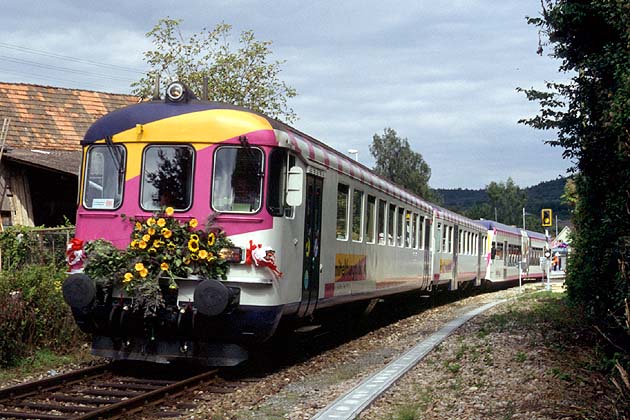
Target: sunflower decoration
[(163, 248)]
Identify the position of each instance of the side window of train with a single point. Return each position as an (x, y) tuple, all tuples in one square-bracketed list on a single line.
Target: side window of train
[(104, 177), (237, 179), (381, 217), (414, 230), (342, 212), (167, 177), (370, 215), (421, 229), (357, 215), (391, 225), (279, 163), (399, 226)]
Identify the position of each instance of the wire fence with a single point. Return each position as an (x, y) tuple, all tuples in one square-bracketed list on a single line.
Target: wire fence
[(22, 246)]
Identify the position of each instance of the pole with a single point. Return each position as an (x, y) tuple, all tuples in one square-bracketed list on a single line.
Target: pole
[(556, 226), (523, 218), (520, 276)]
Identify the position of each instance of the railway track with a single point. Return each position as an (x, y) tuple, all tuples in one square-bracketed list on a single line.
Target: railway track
[(107, 391)]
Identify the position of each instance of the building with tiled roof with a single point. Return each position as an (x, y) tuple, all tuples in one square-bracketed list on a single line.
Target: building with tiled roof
[(40, 158)]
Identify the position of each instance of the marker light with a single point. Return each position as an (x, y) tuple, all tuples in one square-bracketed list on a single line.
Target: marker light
[(175, 92)]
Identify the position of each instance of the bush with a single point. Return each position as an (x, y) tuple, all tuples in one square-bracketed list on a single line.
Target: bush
[(33, 314)]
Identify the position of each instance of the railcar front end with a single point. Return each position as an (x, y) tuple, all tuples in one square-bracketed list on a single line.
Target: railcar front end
[(191, 159)]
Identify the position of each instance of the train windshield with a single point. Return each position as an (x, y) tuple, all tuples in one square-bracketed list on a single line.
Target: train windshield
[(237, 180), (167, 177), (103, 186)]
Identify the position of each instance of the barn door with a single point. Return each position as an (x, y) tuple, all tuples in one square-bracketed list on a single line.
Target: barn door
[(312, 231)]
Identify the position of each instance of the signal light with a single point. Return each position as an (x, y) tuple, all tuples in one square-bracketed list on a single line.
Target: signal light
[(546, 217)]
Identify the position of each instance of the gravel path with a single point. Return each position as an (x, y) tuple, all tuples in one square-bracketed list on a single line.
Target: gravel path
[(490, 368)]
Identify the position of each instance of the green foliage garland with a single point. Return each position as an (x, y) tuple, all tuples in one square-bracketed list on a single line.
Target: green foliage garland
[(162, 248)]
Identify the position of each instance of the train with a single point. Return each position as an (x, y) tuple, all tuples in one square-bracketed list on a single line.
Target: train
[(306, 229)]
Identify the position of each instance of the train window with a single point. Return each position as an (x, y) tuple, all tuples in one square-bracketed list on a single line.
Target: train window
[(342, 212), (414, 231), (408, 229), (237, 180), (499, 253), (382, 208), (104, 177), (450, 238), (167, 177), (369, 219), (357, 215), (391, 225), (444, 238), (279, 163), (427, 233), (421, 227), (399, 226), (460, 247)]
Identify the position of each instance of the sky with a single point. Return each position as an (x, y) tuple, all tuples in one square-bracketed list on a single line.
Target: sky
[(442, 74)]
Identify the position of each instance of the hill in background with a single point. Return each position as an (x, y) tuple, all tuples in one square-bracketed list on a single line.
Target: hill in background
[(546, 195)]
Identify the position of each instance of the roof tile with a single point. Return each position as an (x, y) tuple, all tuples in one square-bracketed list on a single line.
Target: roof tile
[(44, 117)]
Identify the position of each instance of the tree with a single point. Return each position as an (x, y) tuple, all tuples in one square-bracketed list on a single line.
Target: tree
[(398, 163), (508, 199), (244, 76), (590, 116)]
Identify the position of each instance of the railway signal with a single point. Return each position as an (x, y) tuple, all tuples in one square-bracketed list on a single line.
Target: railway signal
[(546, 217)]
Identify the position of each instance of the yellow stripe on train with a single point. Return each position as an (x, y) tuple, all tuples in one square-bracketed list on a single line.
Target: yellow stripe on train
[(211, 126)]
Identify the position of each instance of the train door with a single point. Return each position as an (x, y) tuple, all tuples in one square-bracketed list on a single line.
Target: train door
[(426, 241), (312, 235), (455, 248)]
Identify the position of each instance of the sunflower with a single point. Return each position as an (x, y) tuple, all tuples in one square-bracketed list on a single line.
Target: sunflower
[(169, 211), (193, 223), (193, 245), (211, 239), (194, 237)]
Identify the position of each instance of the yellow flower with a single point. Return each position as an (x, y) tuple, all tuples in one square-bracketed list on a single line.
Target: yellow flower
[(134, 243), (166, 233), (151, 231), (138, 226), (171, 246), (203, 254), (161, 222), (193, 223), (142, 244), (158, 243), (150, 221), (144, 272), (128, 277), (152, 250), (211, 239), (146, 238), (193, 245), (169, 211), (139, 266), (194, 257), (164, 266), (194, 237), (172, 286), (186, 261)]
